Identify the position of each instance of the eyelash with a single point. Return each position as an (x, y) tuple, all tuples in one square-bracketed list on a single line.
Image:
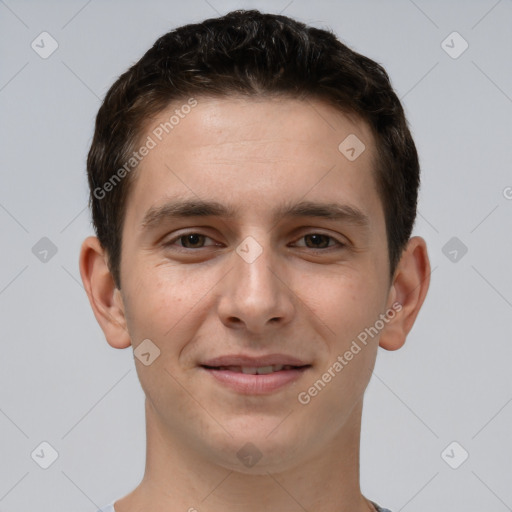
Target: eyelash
[(339, 245)]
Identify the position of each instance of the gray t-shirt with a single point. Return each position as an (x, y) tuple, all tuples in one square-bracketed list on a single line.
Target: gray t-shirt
[(110, 508)]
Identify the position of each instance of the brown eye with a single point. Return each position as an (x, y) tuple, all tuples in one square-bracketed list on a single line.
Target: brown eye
[(192, 240), (319, 241)]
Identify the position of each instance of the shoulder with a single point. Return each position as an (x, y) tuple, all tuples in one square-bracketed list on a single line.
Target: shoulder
[(379, 508), (107, 508)]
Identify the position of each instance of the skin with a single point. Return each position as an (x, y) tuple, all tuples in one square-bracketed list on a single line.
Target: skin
[(203, 300)]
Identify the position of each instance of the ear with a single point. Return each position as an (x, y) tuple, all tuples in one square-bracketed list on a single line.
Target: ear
[(105, 299), (408, 289)]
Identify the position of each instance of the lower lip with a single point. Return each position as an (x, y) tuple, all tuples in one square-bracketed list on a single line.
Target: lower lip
[(248, 384)]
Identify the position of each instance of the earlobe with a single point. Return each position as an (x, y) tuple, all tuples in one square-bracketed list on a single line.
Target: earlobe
[(104, 297), (408, 290)]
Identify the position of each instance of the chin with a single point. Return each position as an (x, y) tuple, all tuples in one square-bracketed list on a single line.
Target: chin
[(260, 450)]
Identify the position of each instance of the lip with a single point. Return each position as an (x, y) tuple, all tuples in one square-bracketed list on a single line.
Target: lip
[(249, 384), (250, 361)]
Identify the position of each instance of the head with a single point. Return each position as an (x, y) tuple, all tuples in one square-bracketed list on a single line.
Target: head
[(214, 158), (254, 55)]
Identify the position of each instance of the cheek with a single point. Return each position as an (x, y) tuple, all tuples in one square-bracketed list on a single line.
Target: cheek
[(349, 305), (163, 301), (346, 300)]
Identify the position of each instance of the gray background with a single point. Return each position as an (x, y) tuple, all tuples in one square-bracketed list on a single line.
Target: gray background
[(63, 384)]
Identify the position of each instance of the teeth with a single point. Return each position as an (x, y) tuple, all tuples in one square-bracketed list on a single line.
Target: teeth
[(262, 370)]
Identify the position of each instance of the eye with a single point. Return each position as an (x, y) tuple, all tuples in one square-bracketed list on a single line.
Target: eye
[(194, 240), (189, 241), (320, 241)]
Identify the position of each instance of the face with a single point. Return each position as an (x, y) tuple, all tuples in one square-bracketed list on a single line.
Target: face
[(282, 270)]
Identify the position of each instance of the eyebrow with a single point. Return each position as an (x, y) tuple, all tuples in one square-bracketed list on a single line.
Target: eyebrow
[(185, 208)]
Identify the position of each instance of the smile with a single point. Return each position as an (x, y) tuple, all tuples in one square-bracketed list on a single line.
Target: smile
[(252, 370), (255, 380)]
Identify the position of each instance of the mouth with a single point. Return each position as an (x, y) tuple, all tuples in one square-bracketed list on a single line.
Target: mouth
[(257, 370), (255, 377)]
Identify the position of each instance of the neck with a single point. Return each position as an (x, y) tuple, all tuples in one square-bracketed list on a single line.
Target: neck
[(178, 479)]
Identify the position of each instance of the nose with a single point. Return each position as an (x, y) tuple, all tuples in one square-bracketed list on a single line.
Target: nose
[(255, 295)]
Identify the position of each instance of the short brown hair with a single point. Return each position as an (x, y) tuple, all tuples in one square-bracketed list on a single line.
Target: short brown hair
[(252, 54)]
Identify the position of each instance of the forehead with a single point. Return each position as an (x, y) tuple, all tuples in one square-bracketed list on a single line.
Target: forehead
[(253, 153), (263, 120)]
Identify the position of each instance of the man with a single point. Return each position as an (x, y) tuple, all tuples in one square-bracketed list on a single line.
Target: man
[(253, 191)]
